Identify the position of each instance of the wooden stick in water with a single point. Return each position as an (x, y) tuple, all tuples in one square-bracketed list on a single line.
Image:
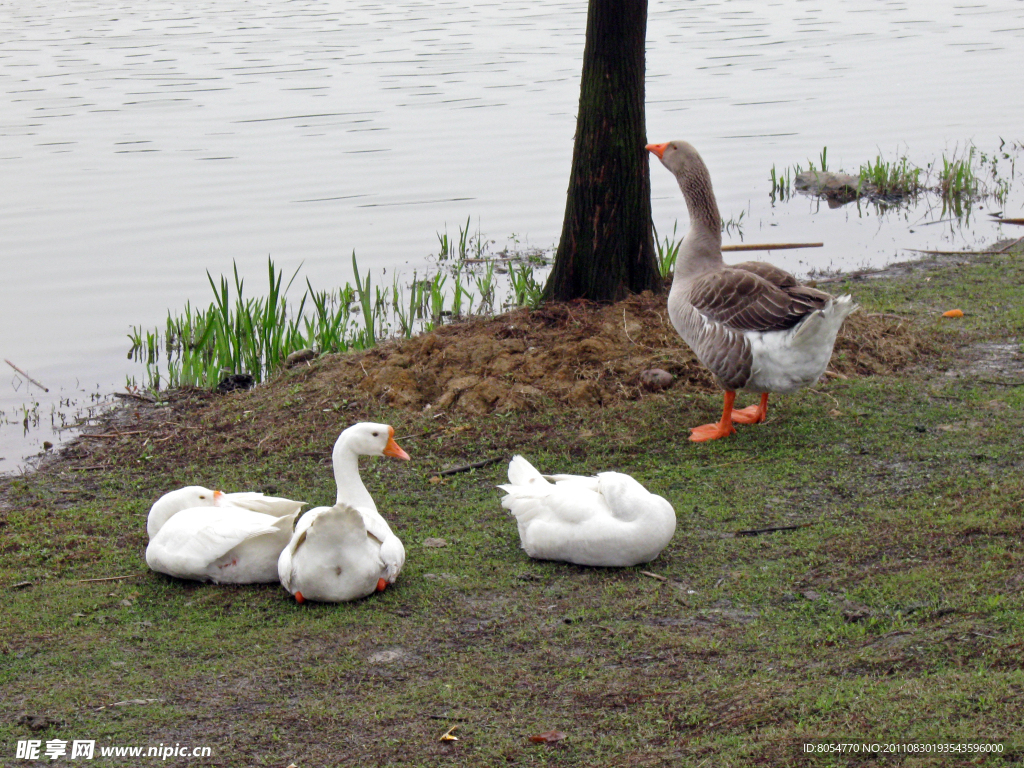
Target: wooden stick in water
[(769, 246), (25, 375)]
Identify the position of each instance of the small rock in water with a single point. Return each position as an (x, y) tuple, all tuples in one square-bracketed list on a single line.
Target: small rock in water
[(655, 379), (837, 188)]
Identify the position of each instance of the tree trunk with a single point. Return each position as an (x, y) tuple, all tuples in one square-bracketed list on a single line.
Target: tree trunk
[(607, 248)]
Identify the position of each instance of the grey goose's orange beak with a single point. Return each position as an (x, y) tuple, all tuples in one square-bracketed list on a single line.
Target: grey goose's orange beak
[(657, 149)]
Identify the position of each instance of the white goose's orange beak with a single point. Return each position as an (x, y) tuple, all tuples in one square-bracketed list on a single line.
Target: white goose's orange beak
[(218, 498), (657, 149), (393, 449)]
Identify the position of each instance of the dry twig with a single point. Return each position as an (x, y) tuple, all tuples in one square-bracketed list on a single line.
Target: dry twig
[(25, 375), (467, 467)]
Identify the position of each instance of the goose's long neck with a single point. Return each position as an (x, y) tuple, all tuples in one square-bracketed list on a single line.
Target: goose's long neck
[(346, 474), (701, 250)]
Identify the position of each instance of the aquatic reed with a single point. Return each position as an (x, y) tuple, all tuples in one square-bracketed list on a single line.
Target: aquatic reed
[(891, 178), (959, 181), (254, 335)]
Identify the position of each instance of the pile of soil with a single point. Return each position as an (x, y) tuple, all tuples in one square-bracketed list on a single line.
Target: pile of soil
[(579, 354), (582, 354)]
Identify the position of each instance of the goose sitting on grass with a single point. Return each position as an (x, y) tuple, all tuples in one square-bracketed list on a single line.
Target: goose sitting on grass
[(346, 551), (332, 558), (608, 520), (227, 538), (225, 545), (190, 496), (751, 324)]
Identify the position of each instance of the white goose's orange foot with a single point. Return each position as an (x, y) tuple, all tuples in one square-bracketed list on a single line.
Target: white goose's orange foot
[(711, 432)]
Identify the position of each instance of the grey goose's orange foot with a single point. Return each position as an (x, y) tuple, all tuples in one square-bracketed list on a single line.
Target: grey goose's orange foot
[(752, 414)]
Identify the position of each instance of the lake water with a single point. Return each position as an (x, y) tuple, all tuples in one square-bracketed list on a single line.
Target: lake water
[(142, 144)]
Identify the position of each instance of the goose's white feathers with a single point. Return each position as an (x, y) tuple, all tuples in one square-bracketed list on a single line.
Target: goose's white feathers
[(368, 439), (332, 557), (608, 520), (191, 496), (225, 545)]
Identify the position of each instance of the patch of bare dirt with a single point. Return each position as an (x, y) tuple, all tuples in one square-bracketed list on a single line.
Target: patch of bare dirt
[(580, 353)]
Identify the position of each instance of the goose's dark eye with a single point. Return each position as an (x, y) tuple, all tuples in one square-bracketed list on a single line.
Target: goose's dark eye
[(376, 433), (201, 496)]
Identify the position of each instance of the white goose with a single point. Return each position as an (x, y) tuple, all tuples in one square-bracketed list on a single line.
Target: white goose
[(190, 496), (331, 558), (608, 520), (751, 324), (309, 567), (196, 533)]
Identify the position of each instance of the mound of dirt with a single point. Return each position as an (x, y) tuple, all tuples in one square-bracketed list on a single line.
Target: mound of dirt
[(581, 354)]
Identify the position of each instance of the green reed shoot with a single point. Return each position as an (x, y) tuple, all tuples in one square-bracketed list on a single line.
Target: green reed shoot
[(957, 179), (898, 177), (668, 251), (254, 335)]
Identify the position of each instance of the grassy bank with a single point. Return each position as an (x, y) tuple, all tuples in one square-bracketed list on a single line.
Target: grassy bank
[(890, 611)]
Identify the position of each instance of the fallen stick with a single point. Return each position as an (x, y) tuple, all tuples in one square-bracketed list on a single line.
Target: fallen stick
[(133, 396), (414, 437), (773, 529), (657, 576), (770, 246), (25, 375), (467, 467), (109, 578), (1009, 221), (1005, 248)]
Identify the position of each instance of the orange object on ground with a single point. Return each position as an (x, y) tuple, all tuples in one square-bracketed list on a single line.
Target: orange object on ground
[(953, 313), (752, 414)]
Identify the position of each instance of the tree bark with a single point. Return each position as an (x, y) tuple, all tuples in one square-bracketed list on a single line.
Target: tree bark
[(607, 247)]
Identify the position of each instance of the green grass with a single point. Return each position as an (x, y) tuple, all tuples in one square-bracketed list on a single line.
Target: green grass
[(894, 616), (961, 179), (892, 178), (237, 334)]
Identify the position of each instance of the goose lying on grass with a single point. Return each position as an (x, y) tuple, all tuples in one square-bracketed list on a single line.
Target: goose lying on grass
[(346, 551), (608, 520), (222, 544), (227, 538), (751, 324), (190, 496)]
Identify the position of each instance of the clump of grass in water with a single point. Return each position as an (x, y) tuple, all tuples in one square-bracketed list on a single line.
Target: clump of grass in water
[(781, 184), (958, 182), (895, 178), (957, 179), (236, 334)]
